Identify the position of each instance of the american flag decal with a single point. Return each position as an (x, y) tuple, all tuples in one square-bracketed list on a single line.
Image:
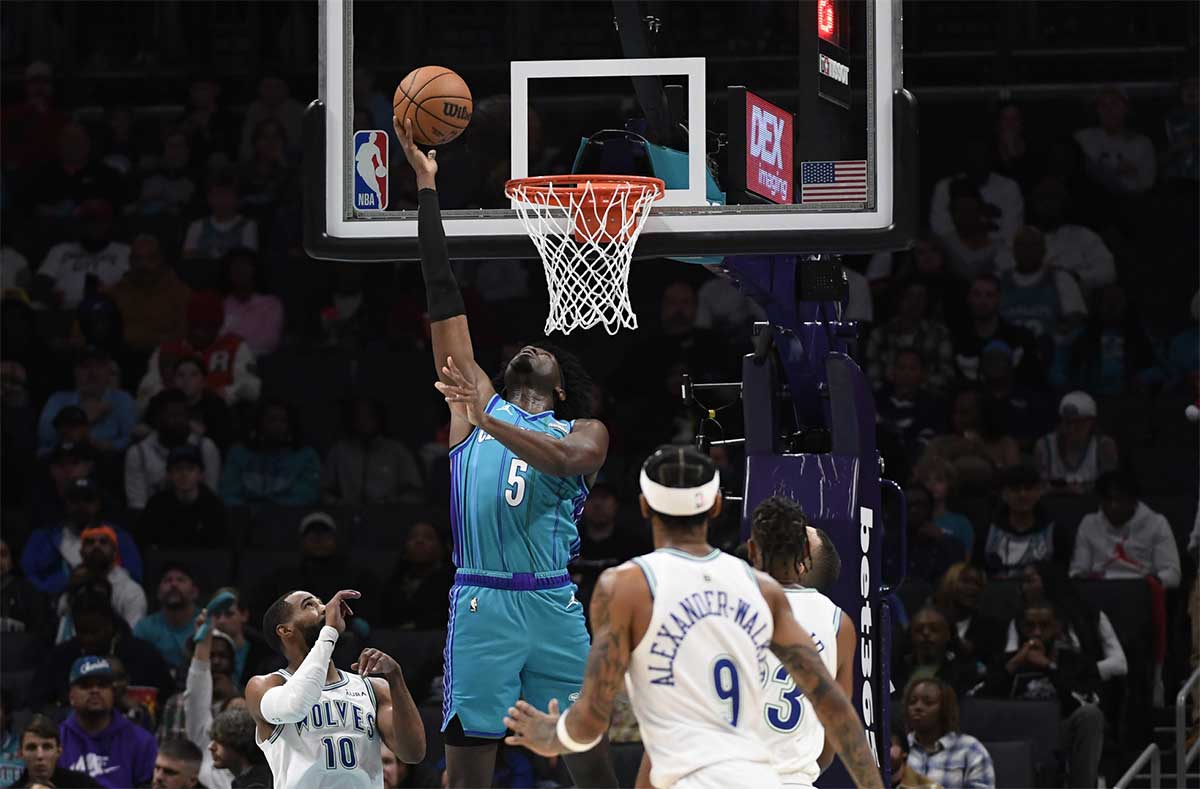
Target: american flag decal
[(833, 182)]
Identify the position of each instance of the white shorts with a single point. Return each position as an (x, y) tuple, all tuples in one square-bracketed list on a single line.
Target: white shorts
[(727, 775)]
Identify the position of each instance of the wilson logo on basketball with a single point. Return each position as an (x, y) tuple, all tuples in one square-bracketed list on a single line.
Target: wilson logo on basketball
[(452, 110)]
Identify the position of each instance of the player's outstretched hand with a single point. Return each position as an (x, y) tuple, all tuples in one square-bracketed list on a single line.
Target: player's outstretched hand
[(464, 389), (534, 729), (337, 609), (373, 661), (423, 163)]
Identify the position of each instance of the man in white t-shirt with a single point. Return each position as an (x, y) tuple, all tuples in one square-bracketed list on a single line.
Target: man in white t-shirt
[(1001, 195), (1118, 159), (62, 280)]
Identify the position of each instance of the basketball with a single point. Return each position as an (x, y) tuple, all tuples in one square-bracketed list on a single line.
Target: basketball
[(437, 101)]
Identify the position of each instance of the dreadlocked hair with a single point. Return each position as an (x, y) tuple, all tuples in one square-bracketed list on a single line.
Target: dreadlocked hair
[(575, 382), (780, 530)]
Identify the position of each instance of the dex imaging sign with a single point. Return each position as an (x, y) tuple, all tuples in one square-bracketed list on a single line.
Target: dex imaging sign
[(768, 150)]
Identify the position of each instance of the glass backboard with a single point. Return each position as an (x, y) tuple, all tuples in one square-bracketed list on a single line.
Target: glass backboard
[(779, 125)]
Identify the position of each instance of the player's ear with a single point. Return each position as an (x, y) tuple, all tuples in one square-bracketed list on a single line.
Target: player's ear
[(562, 393), (645, 508), (718, 504)]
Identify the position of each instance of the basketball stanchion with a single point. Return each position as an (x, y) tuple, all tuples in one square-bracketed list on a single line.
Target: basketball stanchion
[(585, 228)]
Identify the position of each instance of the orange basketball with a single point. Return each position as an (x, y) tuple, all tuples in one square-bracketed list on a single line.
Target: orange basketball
[(437, 101)]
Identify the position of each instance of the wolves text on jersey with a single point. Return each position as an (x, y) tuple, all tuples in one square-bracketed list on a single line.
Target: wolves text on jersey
[(338, 714), (693, 609)]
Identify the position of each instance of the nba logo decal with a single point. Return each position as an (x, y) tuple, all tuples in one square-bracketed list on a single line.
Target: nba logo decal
[(370, 170)]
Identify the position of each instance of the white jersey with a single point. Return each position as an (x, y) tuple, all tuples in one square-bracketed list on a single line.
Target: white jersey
[(791, 729), (336, 746), (695, 678)]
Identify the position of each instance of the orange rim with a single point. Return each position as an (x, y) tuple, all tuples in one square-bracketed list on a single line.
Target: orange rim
[(601, 185)]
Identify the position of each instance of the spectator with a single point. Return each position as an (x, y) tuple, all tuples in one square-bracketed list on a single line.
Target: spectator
[(905, 407), (275, 102), (211, 128), (98, 324), (912, 328), (10, 743), (185, 512), (41, 749), (71, 427), (1088, 629), (151, 297), (1076, 249), (1003, 205), (679, 338), (66, 463), (421, 581), (275, 467), (969, 243), (32, 127), (75, 269), (234, 748), (937, 748), (1046, 301), (268, 178), (721, 305), (169, 185), (976, 444), (111, 412), (146, 461), (1013, 158), (604, 542), (227, 358), (224, 229), (53, 552), (1118, 159), (322, 568), (250, 650), (979, 635), (1048, 666), (1182, 365), (1025, 411), (113, 751), (931, 649), (1182, 159), (177, 765), (1125, 538), (14, 270), (169, 627), (63, 186), (903, 775), (134, 702), (101, 559), (1113, 354), (1021, 532), (210, 414), (938, 476), (1075, 454), (930, 550), (23, 609), (98, 631), (254, 316), (984, 326), (367, 467)]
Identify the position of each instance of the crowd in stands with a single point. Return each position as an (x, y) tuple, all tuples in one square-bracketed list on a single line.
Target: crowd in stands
[(193, 411)]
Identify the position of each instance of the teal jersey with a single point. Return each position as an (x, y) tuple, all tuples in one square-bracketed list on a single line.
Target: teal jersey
[(505, 515)]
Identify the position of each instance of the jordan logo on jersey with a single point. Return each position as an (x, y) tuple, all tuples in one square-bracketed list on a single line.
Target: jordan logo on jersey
[(338, 714)]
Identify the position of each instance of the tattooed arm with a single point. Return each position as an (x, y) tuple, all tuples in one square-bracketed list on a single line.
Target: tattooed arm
[(618, 592), (795, 649)]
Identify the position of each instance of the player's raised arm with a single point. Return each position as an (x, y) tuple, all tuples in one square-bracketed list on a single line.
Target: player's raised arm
[(447, 313), (582, 726), (796, 651), (399, 722)]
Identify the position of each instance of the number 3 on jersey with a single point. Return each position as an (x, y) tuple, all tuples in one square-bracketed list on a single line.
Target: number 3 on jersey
[(514, 488), (785, 716)]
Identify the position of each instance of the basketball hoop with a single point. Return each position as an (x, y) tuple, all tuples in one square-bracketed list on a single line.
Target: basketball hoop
[(585, 228)]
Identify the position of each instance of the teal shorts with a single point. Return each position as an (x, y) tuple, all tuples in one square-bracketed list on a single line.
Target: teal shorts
[(511, 636)]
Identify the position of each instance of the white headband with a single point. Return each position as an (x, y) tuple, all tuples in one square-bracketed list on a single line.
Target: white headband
[(680, 502)]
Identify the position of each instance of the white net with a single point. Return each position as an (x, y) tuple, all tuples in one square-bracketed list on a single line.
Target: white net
[(585, 233)]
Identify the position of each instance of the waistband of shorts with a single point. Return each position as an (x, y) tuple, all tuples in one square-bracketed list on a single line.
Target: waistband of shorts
[(514, 582)]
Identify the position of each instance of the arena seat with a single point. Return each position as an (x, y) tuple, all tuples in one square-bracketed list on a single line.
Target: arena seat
[(626, 759), (1007, 720), (20, 651), (1001, 599), (212, 568), (1013, 763)]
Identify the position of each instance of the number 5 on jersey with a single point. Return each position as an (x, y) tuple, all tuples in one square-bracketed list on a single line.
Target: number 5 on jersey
[(514, 488)]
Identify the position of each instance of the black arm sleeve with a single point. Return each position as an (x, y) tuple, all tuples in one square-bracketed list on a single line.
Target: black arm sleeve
[(441, 290)]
